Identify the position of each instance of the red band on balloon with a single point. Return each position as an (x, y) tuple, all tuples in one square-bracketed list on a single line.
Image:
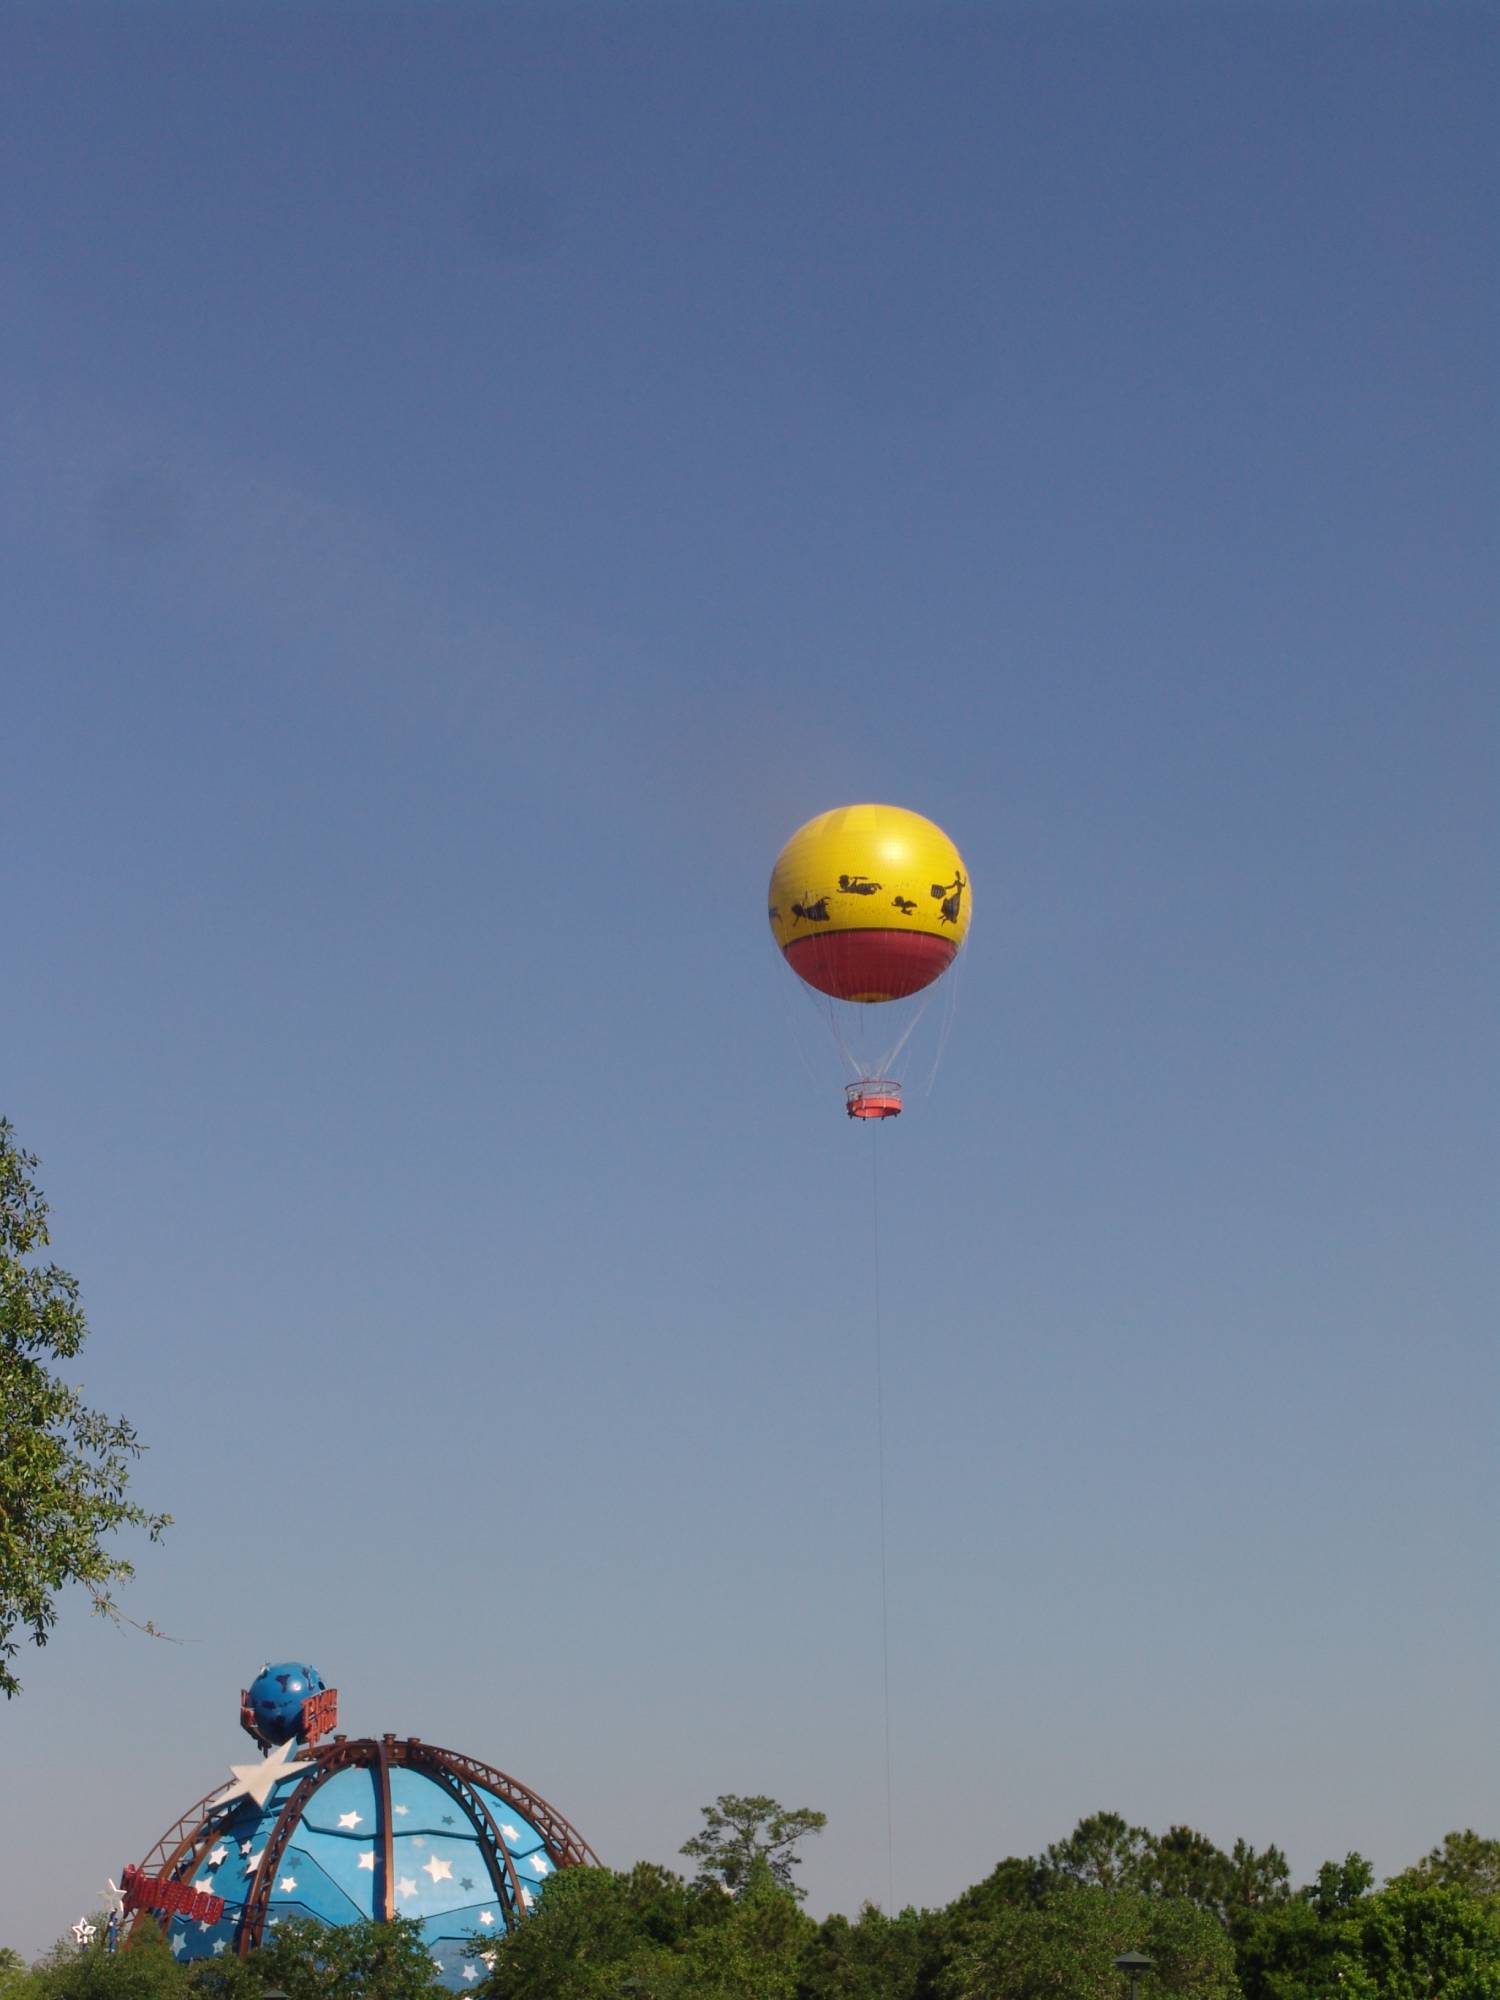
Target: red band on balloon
[(870, 965)]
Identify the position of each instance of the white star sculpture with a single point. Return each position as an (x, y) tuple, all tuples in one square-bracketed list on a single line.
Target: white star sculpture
[(258, 1781), (84, 1933)]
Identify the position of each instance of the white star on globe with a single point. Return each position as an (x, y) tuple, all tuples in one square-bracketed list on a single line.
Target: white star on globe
[(287, 1884), (218, 1857), (349, 1819), (367, 1859), (218, 1947), (406, 1886), (258, 1781), (486, 1916), (440, 1871)]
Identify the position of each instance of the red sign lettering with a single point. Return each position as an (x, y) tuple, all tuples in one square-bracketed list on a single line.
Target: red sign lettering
[(168, 1898), (320, 1713)]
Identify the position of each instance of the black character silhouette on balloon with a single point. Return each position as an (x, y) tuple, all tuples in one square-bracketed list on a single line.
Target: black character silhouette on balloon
[(811, 913), (904, 904), (858, 885), (952, 894)]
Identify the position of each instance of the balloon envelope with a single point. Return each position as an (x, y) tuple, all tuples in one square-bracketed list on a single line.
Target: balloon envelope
[(869, 903)]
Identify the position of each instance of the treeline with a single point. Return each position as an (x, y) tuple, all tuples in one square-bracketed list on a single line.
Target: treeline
[(1217, 1925)]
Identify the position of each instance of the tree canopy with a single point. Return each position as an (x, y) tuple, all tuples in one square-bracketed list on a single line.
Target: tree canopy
[(737, 1832), (1047, 1927)]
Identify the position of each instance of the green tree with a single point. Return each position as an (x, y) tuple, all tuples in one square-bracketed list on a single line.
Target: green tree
[(647, 1935), (739, 1831), (1257, 1880), (64, 1468), (875, 1958), (1067, 1945), (756, 1947), (1102, 1852), (148, 1971), (1183, 1862), (595, 1934), (1015, 1882), (1340, 1885), (16, 1981), (1338, 1941), (1464, 1861), (1422, 1941), (367, 1960), (1292, 1951)]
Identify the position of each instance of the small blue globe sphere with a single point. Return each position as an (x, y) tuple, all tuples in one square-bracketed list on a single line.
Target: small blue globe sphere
[(276, 1696)]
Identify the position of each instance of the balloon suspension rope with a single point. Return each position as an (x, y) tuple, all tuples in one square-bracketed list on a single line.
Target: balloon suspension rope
[(885, 1617)]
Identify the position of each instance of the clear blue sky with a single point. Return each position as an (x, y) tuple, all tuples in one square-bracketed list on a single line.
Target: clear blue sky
[(474, 479)]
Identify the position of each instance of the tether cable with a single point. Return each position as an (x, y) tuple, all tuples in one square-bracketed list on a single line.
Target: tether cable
[(885, 1613)]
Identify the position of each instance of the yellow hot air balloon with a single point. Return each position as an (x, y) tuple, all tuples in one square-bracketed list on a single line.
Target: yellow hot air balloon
[(869, 904)]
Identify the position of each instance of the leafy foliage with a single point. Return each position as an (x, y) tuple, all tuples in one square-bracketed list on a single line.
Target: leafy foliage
[(1046, 1927), (368, 1960), (595, 1933), (1464, 1861), (147, 1972), (64, 1468), (1409, 1941), (648, 1936), (738, 1832), (875, 1958), (1067, 1945), (1104, 1852)]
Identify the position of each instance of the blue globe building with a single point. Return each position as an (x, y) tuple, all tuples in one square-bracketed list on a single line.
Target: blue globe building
[(349, 1828)]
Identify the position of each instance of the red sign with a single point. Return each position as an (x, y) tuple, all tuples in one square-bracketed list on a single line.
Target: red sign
[(169, 1899), (320, 1713)]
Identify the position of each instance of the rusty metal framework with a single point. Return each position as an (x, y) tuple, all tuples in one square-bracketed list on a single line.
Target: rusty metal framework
[(180, 1851)]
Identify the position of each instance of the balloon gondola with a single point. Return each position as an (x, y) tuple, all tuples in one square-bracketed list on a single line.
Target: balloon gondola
[(873, 1097)]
